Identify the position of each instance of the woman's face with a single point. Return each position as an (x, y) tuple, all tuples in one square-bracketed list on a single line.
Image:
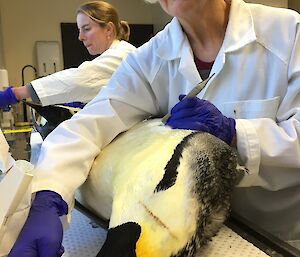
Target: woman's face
[(95, 38)]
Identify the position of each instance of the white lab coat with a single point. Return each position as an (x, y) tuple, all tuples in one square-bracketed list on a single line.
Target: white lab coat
[(257, 82), (83, 83)]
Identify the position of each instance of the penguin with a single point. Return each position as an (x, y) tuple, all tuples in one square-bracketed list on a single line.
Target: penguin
[(165, 191)]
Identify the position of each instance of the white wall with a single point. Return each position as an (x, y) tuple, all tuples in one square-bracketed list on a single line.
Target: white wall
[(2, 65), (160, 18)]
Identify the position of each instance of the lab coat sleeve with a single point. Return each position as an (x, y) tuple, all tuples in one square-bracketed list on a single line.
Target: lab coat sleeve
[(268, 147), (79, 84), (69, 151)]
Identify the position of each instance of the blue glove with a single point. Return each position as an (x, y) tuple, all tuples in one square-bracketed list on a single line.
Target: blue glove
[(42, 233), (7, 97), (201, 115), (75, 105)]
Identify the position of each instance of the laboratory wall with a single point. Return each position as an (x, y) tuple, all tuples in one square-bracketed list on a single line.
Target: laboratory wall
[(25, 22), (160, 18), (1, 45), (295, 5)]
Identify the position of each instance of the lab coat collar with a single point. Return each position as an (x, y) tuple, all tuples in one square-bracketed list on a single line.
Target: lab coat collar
[(240, 31), (114, 44), (175, 45), (173, 41)]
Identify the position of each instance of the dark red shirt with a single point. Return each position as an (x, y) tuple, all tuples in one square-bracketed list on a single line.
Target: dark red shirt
[(203, 68)]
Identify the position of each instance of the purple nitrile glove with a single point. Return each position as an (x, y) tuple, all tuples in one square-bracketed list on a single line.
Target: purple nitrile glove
[(7, 97), (75, 104), (201, 115), (42, 233)]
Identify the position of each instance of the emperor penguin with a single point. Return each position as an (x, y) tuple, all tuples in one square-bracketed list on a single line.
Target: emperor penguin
[(165, 191)]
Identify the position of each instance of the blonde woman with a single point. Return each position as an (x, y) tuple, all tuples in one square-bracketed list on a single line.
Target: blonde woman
[(102, 33)]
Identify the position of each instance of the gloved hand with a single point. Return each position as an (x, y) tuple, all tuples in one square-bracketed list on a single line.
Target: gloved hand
[(42, 233), (75, 104), (201, 115), (7, 97)]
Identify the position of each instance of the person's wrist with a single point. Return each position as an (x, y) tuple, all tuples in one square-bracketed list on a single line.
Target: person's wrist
[(20, 93), (49, 199)]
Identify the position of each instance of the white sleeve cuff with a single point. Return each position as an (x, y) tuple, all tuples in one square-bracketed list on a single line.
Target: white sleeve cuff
[(248, 147)]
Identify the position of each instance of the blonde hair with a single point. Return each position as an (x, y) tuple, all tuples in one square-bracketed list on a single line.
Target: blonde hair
[(103, 13)]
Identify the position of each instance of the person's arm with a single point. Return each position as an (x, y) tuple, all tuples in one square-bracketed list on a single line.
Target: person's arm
[(126, 100), (21, 92), (67, 154), (271, 147), (72, 85), (80, 84), (13, 95)]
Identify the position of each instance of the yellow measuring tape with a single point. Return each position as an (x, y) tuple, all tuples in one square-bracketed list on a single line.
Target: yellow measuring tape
[(11, 131)]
